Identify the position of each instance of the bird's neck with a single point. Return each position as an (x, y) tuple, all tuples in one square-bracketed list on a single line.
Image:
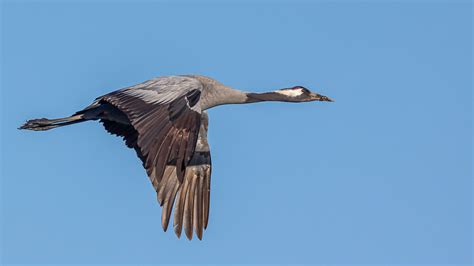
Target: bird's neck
[(267, 97), (226, 95), (216, 93)]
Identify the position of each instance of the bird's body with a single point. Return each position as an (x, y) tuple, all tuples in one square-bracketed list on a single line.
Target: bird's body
[(165, 121)]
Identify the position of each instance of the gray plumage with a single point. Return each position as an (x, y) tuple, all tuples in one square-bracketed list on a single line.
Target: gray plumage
[(165, 121)]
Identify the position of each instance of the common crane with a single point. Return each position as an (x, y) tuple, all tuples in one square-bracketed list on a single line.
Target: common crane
[(165, 120)]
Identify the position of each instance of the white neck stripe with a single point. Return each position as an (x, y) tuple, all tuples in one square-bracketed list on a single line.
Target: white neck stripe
[(290, 92)]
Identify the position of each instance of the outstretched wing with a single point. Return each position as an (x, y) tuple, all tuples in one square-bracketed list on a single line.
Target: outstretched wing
[(165, 126), (166, 115)]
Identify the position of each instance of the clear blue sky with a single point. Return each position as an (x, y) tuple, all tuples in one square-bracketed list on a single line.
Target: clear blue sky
[(383, 175)]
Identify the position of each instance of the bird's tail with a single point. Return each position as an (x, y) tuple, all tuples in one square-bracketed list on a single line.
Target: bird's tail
[(46, 124)]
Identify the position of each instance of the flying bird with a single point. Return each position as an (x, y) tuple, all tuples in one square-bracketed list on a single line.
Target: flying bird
[(165, 120)]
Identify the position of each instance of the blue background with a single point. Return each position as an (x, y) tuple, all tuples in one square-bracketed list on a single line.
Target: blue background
[(383, 175)]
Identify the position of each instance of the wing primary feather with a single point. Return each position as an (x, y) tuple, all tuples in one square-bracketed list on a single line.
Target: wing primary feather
[(188, 209), (163, 185), (179, 208), (158, 164), (181, 160), (172, 187), (197, 217), (206, 196)]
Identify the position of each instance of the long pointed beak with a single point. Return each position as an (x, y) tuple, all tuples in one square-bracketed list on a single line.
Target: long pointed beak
[(321, 98)]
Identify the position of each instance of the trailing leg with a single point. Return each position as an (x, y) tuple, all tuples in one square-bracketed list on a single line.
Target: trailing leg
[(46, 124)]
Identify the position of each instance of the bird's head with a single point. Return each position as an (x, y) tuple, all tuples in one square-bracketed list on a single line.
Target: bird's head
[(302, 94)]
